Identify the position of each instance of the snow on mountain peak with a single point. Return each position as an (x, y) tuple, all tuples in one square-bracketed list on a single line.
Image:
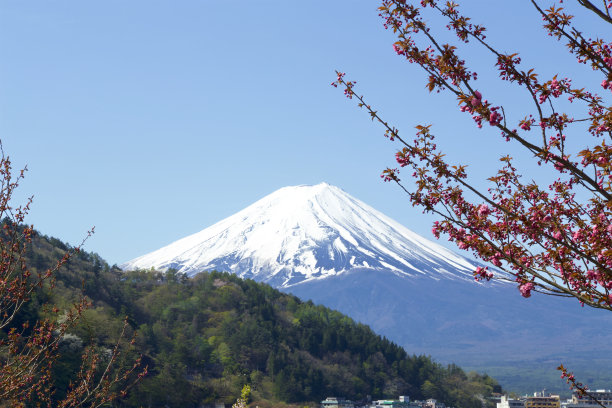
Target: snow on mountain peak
[(306, 232)]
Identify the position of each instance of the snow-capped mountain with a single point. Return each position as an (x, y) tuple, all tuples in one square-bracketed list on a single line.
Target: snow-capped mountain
[(307, 232)]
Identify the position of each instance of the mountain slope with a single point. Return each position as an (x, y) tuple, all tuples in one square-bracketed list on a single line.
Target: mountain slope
[(463, 323), (303, 233), (204, 338)]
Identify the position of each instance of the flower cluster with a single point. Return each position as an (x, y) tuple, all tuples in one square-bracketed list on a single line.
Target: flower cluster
[(348, 85), (482, 273)]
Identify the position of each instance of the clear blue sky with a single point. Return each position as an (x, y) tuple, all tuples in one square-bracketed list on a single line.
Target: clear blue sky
[(154, 119)]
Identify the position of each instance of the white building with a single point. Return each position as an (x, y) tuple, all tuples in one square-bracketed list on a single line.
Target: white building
[(334, 402), (510, 403), (432, 403), (402, 402)]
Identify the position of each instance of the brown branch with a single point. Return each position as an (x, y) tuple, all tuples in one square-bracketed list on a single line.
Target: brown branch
[(587, 4)]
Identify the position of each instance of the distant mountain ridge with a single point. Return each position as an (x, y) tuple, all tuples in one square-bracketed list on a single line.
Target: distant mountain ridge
[(307, 232)]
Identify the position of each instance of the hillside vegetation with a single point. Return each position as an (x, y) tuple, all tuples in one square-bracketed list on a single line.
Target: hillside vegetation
[(203, 338)]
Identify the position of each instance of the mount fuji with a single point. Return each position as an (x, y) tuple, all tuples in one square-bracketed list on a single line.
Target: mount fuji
[(319, 243), (303, 233)]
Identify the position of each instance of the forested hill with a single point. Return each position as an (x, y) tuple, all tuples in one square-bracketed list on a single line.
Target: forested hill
[(205, 337)]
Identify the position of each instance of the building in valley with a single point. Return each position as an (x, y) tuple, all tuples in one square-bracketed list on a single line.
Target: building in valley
[(542, 400)]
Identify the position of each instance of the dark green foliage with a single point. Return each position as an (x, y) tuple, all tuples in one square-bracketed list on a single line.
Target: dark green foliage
[(205, 337)]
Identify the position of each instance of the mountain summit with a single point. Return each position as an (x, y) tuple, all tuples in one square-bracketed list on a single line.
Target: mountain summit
[(307, 232)]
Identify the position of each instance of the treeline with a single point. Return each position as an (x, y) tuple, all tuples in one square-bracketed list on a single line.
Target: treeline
[(204, 337)]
